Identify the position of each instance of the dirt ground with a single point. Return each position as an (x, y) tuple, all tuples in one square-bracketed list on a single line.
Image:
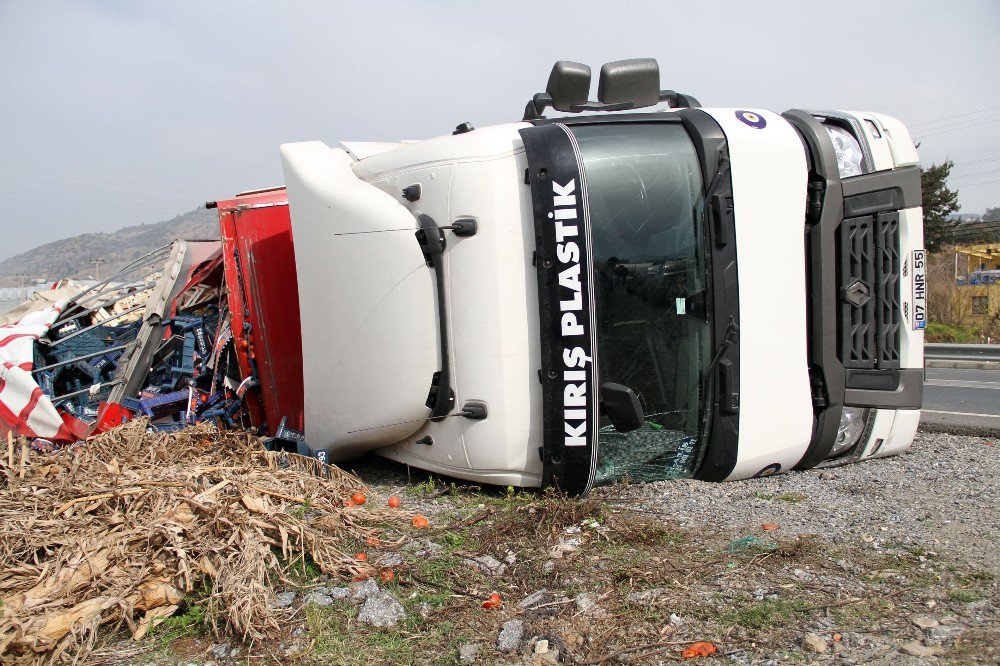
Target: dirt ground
[(793, 569)]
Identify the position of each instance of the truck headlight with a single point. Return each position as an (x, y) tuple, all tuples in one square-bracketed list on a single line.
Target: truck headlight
[(849, 153), (852, 426)]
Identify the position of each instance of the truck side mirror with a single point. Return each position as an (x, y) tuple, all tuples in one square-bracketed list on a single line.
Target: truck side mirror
[(569, 84), (636, 81), (621, 405)]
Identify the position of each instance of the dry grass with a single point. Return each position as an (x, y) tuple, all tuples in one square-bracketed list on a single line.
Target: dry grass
[(123, 529)]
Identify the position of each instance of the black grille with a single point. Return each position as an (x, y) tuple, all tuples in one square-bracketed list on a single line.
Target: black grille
[(887, 308), (857, 322), (868, 275)]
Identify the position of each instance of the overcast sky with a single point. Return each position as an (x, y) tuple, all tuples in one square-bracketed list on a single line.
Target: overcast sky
[(122, 112)]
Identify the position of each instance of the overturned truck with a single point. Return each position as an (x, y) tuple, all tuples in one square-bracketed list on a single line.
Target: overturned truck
[(680, 292)]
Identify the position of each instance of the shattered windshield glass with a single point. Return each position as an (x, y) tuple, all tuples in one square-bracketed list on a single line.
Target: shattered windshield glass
[(644, 189)]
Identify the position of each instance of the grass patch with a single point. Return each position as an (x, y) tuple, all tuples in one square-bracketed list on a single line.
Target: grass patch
[(936, 332), (439, 569), (301, 571), (762, 615), (964, 596), (191, 621), (339, 640)]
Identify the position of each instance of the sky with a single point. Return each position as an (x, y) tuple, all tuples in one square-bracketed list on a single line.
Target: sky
[(123, 112)]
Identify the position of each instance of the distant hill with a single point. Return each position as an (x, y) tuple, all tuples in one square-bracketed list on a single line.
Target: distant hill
[(71, 257)]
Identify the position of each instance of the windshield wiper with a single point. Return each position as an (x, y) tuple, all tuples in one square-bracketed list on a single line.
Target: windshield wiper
[(719, 206), (718, 209), (732, 331)]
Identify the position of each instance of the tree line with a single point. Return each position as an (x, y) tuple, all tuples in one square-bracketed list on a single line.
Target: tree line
[(940, 201)]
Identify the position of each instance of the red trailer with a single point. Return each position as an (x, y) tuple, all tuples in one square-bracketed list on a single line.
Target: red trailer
[(263, 298)]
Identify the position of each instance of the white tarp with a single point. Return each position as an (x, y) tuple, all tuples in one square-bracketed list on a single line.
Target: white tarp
[(24, 408)]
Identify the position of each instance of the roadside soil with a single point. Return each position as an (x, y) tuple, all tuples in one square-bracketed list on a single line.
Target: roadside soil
[(891, 561)]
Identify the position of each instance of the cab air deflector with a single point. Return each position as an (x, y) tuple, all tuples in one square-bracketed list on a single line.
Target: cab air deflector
[(824, 216), (569, 370)]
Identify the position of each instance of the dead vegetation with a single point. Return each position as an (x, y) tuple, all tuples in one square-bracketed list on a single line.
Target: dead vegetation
[(102, 542), (123, 530)]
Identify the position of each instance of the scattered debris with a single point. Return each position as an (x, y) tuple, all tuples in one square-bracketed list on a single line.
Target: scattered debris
[(511, 636), (317, 598), (534, 599), (486, 564), (365, 589), (746, 543), (916, 649), (381, 609), (338, 592), (586, 603), (177, 336), (645, 596), (468, 652), (812, 642), (563, 547), (283, 600)]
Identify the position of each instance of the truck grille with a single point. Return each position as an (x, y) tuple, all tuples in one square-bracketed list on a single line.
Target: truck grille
[(887, 307), (868, 274)]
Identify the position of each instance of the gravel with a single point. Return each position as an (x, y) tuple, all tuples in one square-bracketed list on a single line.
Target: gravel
[(938, 500), (940, 497)]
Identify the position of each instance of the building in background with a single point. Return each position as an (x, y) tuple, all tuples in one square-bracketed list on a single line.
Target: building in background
[(977, 274)]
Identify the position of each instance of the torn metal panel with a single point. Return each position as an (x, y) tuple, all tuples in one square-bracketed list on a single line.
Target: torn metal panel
[(132, 374)]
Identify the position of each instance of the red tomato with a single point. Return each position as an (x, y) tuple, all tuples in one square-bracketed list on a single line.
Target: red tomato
[(699, 649), (361, 557), (493, 602), (358, 498), (394, 502), (420, 521)]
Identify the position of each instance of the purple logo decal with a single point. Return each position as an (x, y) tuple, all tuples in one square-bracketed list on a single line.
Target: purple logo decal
[(773, 468), (752, 119)]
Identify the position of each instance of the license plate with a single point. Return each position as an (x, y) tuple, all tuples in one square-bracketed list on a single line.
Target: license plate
[(919, 289)]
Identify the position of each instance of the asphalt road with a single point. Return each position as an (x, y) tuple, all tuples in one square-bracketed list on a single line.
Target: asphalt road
[(962, 398)]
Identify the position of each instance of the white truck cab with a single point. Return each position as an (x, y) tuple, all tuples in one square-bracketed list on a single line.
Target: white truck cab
[(566, 301)]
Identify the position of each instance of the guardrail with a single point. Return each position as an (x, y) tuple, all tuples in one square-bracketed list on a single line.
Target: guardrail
[(945, 351)]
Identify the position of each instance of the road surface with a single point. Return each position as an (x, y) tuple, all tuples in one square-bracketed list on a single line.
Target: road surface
[(964, 398)]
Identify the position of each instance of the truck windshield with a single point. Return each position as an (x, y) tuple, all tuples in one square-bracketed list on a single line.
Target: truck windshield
[(645, 194)]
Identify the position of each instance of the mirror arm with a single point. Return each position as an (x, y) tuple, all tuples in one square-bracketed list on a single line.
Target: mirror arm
[(536, 107)]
